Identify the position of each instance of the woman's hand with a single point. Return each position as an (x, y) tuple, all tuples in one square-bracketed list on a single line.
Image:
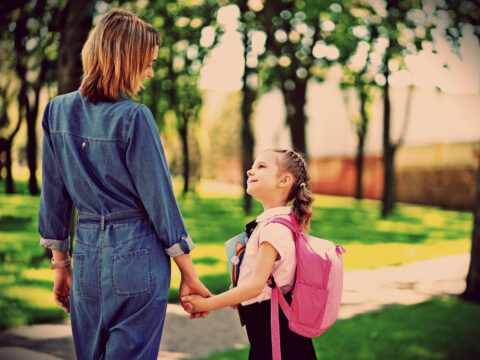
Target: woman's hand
[(61, 287), (193, 287), (190, 283)]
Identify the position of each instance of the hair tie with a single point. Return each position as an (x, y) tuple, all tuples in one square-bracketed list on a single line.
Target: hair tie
[(302, 184)]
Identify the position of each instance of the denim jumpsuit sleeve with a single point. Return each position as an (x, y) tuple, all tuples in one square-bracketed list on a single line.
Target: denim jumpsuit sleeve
[(147, 164), (55, 203)]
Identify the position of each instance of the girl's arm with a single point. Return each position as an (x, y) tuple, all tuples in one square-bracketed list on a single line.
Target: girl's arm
[(263, 268)]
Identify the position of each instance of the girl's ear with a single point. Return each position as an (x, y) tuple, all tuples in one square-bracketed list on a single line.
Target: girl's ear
[(285, 180)]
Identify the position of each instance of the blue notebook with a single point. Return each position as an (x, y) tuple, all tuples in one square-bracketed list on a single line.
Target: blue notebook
[(235, 248)]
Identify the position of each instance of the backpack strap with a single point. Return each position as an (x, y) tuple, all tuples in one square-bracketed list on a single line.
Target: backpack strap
[(275, 325), (277, 296)]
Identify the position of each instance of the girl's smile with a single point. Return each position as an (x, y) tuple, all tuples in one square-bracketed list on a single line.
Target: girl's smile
[(266, 182), (263, 173)]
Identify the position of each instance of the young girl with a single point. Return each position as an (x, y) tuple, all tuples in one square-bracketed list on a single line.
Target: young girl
[(276, 178)]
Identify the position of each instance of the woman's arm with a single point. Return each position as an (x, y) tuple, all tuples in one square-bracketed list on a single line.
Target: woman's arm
[(263, 268)]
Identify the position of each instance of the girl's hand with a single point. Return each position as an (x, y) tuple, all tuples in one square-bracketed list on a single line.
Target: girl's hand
[(61, 288), (195, 304)]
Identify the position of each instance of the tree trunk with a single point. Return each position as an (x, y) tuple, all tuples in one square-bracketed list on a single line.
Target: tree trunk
[(32, 112), (295, 106), (183, 130), (249, 96), (388, 197), (76, 21), (9, 184), (362, 132), (472, 292), (6, 147)]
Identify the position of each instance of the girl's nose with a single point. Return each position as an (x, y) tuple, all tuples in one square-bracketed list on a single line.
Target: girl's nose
[(249, 172)]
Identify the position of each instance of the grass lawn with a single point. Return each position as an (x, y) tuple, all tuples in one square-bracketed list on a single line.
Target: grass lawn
[(440, 329), (213, 215)]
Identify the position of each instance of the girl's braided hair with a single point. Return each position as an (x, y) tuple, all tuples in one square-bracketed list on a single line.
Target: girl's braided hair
[(301, 191)]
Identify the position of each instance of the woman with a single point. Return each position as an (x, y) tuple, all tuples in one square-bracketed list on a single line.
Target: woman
[(102, 153)]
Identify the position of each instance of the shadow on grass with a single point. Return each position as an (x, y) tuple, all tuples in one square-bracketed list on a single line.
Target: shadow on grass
[(14, 223), (441, 329)]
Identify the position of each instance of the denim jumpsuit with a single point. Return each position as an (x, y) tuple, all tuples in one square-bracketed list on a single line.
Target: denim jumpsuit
[(107, 160)]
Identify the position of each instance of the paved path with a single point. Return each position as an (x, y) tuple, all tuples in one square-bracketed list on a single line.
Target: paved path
[(183, 338)]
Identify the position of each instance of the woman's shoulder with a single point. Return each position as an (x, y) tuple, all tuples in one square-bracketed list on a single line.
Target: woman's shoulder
[(68, 98), (137, 109)]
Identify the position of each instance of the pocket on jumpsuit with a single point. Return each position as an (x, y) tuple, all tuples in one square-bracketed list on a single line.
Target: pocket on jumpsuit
[(78, 284), (132, 273)]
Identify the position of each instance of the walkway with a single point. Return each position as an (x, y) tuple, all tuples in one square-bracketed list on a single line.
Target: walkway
[(364, 291)]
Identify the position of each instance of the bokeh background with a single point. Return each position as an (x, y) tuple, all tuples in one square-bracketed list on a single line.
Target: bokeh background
[(382, 97)]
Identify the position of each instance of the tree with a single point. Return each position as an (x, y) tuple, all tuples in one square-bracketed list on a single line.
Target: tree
[(30, 27), (8, 92), (303, 40), (174, 90), (472, 291), (249, 28), (6, 142), (394, 29), (363, 84), (465, 14), (75, 23)]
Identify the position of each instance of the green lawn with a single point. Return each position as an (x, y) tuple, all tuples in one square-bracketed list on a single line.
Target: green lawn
[(440, 329), (214, 215)]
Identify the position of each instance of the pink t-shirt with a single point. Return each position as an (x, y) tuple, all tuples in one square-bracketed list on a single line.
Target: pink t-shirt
[(281, 238)]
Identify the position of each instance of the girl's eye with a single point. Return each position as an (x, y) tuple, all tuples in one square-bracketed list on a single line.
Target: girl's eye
[(261, 166)]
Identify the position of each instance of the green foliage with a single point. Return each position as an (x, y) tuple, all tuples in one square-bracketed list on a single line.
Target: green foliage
[(413, 232), (440, 329), (173, 94), (25, 280), (410, 224), (174, 86)]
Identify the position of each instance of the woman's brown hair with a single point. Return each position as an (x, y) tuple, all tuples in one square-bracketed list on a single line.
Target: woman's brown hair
[(115, 56), (301, 191)]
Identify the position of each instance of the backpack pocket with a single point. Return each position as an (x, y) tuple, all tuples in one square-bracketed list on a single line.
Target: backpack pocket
[(308, 310)]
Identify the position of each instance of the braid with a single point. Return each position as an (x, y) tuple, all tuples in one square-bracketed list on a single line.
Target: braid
[(301, 191)]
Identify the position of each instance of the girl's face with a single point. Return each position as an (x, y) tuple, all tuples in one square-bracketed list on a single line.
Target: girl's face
[(264, 175), (148, 73)]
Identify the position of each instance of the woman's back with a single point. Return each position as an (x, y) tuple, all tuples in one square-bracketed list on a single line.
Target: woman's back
[(90, 144)]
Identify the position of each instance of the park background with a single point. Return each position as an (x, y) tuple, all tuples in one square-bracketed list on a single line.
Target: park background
[(382, 97)]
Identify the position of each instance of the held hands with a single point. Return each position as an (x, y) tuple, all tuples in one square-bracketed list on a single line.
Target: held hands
[(195, 304), (189, 288)]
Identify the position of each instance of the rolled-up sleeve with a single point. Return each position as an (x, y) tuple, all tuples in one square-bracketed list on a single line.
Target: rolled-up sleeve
[(147, 164), (55, 207)]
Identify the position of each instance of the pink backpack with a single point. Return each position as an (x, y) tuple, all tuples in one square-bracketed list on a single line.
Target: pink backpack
[(318, 287)]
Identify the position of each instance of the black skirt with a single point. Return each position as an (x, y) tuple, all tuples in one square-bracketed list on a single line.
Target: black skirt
[(256, 318)]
